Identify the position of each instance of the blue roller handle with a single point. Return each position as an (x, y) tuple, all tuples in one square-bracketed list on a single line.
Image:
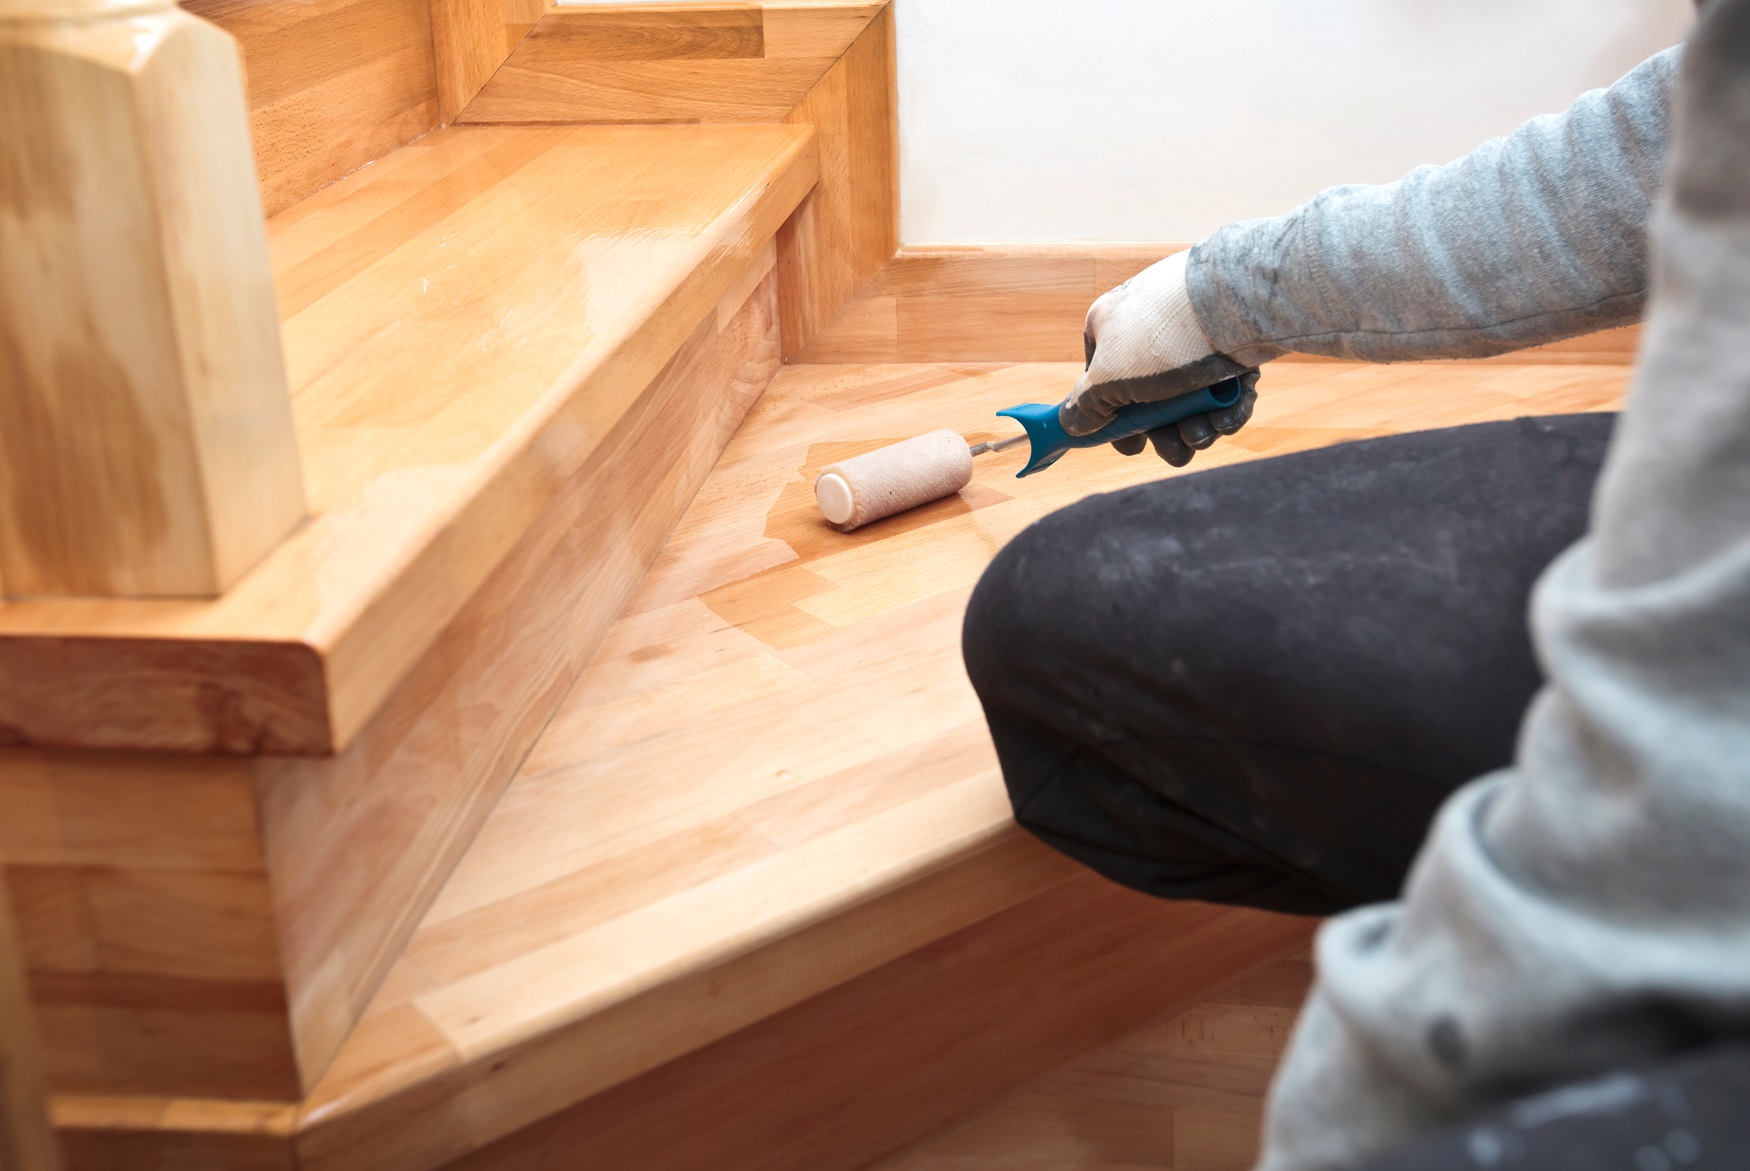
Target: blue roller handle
[(1049, 440)]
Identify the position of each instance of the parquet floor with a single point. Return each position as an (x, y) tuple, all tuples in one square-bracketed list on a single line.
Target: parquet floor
[(778, 730)]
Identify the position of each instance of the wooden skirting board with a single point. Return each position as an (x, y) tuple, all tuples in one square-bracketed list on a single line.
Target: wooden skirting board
[(1020, 303), (772, 782)]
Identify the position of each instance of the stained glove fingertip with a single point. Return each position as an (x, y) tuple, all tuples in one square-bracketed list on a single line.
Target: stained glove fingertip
[(1197, 432), (1170, 447)]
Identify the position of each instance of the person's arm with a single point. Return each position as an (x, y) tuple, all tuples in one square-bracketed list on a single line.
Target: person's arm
[(1588, 909), (1528, 239)]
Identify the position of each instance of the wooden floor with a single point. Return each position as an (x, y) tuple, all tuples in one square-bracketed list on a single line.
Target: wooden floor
[(777, 731), (1184, 1094)]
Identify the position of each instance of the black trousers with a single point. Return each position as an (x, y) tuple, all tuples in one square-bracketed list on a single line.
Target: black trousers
[(1256, 684)]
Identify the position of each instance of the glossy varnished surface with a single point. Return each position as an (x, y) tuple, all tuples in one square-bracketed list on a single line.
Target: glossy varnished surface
[(775, 744), (211, 926), (463, 322), (829, 64), (745, 62)]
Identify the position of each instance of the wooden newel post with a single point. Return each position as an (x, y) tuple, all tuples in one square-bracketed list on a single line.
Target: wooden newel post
[(146, 442)]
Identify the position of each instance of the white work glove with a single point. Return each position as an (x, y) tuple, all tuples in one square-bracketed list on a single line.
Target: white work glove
[(1144, 344)]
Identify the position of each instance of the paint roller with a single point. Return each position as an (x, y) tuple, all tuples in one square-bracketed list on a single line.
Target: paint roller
[(877, 484)]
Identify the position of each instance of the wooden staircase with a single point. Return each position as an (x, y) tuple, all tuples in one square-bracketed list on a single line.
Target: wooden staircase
[(561, 794)]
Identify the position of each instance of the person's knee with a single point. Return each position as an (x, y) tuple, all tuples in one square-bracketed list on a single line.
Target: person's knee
[(1008, 631), (995, 621)]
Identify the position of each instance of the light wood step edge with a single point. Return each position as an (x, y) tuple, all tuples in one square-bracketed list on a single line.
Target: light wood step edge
[(297, 657)]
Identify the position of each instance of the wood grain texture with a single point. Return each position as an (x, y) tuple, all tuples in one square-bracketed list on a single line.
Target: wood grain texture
[(718, 825), (856, 1072), (717, 791), (27, 1142), (148, 923), (146, 437), (214, 926), (360, 847), (471, 39), (1026, 304), (332, 84), (848, 227), (156, 1134), (747, 62), (828, 64), (464, 324), (1185, 1093)]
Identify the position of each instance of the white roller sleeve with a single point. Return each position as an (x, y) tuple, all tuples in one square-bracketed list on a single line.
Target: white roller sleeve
[(854, 492)]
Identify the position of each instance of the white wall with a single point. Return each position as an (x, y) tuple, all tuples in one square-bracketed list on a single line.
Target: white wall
[(1057, 120)]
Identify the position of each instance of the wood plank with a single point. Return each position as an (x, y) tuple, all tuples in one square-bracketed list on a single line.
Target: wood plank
[(669, 33), (147, 923), (155, 1134), (852, 1074), (27, 1142), (745, 62), (360, 847), (826, 64), (1185, 1093), (333, 84), (1019, 303), (464, 325), (848, 228)]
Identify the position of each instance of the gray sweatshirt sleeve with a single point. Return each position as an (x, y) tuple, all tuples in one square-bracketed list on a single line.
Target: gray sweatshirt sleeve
[(1530, 238), (1588, 908)]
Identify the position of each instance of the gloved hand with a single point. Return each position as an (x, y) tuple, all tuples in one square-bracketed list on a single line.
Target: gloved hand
[(1144, 344)]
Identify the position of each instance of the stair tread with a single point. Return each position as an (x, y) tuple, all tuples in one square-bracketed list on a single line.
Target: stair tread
[(463, 322), (777, 735)]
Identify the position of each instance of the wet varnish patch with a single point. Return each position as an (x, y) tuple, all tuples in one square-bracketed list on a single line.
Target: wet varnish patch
[(765, 604)]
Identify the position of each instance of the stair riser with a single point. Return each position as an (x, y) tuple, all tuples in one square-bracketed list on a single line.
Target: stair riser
[(846, 1077)]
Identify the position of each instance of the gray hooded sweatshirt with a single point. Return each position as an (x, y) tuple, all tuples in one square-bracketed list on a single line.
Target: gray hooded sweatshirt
[(1587, 908)]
